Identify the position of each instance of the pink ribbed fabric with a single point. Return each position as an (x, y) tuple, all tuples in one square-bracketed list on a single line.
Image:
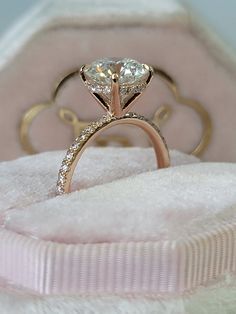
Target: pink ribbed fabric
[(161, 267)]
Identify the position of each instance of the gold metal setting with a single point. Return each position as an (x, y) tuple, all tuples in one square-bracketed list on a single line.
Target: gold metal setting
[(70, 118), (116, 103)]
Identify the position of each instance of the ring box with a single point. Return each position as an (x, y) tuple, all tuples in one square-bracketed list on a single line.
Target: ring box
[(55, 38), (132, 234)]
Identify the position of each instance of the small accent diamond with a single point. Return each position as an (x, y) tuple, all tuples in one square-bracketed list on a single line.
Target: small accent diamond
[(60, 189), (69, 156), (83, 137), (90, 129), (74, 146), (65, 168), (61, 180)]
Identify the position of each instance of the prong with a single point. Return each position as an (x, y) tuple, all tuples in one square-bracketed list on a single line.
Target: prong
[(81, 72), (147, 67), (115, 95), (151, 72)]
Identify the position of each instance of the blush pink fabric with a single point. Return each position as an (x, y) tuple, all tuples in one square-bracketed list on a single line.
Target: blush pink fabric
[(133, 231), (138, 268)]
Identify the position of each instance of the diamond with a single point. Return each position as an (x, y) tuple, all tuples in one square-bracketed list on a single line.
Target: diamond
[(60, 189), (89, 130), (132, 76), (61, 180), (74, 146), (65, 168), (83, 137), (69, 156), (116, 82), (106, 90), (139, 88), (105, 119), (99, 122), (94, 88), (130, 71)]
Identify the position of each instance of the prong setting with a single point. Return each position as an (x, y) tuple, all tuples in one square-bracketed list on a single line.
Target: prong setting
[(116, 83)]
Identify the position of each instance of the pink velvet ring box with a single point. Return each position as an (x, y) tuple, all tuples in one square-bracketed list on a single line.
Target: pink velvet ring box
[(130, 230)]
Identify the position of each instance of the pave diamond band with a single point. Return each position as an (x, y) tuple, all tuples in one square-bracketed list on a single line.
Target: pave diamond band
[(92, 130), (115, 84)]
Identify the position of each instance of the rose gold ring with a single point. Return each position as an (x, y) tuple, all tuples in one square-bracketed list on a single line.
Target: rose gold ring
[(115, 84)]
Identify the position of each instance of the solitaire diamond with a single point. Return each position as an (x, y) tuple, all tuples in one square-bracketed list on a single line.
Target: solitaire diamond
[(130, 71), (116, 83), (132, 75)]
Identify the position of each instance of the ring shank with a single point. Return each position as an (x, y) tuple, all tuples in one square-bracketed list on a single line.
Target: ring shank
[(153, 132)]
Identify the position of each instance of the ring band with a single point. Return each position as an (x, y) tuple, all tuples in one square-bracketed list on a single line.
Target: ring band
[(128, 79)]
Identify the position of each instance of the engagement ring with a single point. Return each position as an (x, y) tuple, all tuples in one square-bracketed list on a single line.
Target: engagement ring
[(115, 84)]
